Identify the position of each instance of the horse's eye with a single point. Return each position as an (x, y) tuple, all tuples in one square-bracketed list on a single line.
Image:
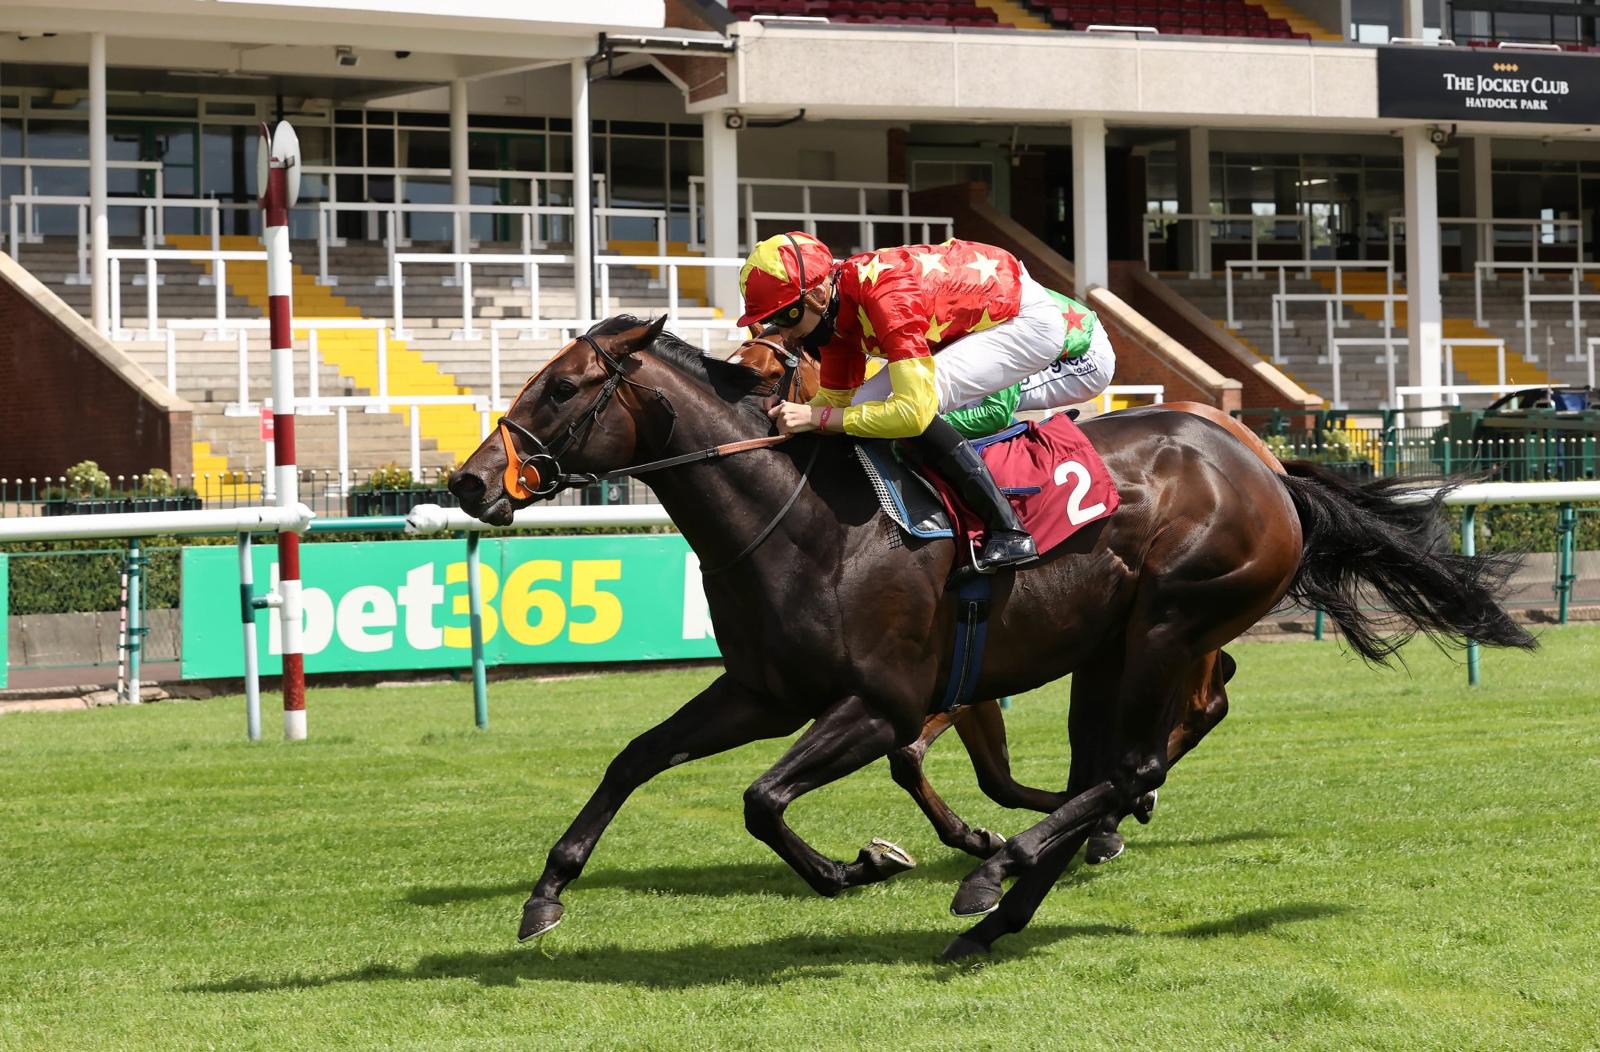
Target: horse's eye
[(563, 389)]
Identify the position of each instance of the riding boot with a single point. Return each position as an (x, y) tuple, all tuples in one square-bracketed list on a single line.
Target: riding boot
[(1005, 542)]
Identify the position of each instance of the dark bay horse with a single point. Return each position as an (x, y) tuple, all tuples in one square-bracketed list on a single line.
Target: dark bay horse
[(824, 614), (981, 726)]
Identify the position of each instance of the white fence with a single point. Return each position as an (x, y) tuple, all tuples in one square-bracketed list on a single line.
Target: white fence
[(1306, 266), (1548, 232), (808, 214), (1194, 219)]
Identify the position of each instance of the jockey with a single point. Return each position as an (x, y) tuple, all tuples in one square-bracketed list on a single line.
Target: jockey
[(956, 324)]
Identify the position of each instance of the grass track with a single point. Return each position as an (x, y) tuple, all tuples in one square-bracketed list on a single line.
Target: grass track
[(1354, 860)]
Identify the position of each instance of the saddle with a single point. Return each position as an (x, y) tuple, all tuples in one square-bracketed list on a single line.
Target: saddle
[(1050, 471), (1054, 478)]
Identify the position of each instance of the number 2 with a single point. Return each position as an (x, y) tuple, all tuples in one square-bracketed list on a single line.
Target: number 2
[(1076, 512)]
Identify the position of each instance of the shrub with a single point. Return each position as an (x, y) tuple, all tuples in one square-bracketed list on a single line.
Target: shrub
[(85, 479)]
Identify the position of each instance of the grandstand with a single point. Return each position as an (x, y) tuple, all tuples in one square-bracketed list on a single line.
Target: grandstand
[(1276, 217)]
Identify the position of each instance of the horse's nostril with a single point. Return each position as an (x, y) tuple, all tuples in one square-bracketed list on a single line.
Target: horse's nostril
[(466, 486)]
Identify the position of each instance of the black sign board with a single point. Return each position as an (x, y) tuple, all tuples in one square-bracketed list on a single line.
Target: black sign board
[(1458, 84)]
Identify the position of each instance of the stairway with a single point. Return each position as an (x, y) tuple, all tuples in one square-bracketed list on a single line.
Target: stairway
[(454, 430)]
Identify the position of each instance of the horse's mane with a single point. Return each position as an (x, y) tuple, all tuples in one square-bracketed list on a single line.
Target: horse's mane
[(732, 381)]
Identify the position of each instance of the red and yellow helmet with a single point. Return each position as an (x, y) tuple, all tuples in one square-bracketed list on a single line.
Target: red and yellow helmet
[(779, 271)]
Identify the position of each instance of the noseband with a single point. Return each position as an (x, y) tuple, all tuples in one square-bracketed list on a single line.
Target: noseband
[(539, 473)]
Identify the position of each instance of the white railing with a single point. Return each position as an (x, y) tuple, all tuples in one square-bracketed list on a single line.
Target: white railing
[(807, 216), (340, 407), (461, 219), (1283, 266), (1335, 359), (1452, 394), (1576, 297), (536, 324), (1281, 300), (1154, 392), (1486, 233), (29, 188), (152, 207), (1492, 270), (464, 262), (150, 257), (1153, 219)]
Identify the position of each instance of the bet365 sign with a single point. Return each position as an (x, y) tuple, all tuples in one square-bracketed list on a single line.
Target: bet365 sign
[(403, 604)]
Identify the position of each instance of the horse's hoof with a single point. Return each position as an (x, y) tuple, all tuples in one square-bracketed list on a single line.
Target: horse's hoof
[(963, 948), (974, 898), (1144, 807), (538, 917), (1103, 848), (989, 843), (882, 859)]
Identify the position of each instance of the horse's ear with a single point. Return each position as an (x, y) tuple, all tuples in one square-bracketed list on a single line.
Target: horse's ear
[(644, 336)]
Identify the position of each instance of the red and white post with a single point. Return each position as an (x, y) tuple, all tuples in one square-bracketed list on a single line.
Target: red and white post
[(279, 188)]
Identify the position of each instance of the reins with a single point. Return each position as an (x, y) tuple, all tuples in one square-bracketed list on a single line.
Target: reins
[(525, 480)]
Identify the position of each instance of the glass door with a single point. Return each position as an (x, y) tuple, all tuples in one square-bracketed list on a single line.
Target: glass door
[(1331, 199)]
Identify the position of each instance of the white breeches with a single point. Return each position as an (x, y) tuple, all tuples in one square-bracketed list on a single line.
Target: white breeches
[(1025, 349), (1072, 380)]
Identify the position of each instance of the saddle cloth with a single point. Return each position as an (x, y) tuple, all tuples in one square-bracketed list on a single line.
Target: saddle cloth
[(1051, 472)]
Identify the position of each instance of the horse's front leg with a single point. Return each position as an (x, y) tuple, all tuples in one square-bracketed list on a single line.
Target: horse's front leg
[(905, 764), (845, 738), (721, 717)]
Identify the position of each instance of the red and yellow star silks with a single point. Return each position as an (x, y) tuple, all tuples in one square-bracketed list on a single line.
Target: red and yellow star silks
[(903, 305)]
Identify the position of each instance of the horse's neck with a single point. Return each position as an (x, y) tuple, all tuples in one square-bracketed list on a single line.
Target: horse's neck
[(720, 506)]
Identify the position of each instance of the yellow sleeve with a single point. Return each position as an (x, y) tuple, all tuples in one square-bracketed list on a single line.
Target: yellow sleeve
[(829, 396), (909, 409)]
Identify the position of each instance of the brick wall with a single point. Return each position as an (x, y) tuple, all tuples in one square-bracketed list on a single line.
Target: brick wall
[(67, 394)]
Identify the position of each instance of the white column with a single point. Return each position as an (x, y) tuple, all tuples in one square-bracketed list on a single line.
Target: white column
[(1483, 190), (99, 233), (582, 191), (1194, 195), (1414, 21), (460, 185), (1089, 253), (721, 207), (1424, 312)]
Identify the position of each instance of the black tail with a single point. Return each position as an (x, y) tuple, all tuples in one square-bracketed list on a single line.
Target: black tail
[(1359, 535)]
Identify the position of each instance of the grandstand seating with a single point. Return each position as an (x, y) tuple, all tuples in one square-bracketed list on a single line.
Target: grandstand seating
[(1364, 376), (1179, 17)]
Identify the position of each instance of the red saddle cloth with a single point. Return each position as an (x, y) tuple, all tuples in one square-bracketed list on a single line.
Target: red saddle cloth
[(1051, 472)]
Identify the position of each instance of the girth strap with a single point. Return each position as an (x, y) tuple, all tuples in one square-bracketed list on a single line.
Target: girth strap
[(972, 635)]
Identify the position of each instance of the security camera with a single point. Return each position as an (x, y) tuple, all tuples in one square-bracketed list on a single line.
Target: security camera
[(402, 54), (346, 55), (1437, 135), (733, 121)]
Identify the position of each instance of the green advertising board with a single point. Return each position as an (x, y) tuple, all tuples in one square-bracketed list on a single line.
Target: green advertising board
[(5, 617), (393, 605)]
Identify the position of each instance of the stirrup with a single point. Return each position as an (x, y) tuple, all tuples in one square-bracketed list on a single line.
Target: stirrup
[(1011, 564)]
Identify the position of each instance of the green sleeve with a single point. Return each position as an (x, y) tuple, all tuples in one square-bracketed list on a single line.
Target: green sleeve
[(988, 416)]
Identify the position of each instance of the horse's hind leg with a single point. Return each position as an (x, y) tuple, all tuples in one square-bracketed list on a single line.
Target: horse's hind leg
[(721, 717), (905, 764), (845, 738), (983, 732), (1208, 705)]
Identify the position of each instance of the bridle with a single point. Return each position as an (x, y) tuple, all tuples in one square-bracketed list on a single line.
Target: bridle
[(539, 473)]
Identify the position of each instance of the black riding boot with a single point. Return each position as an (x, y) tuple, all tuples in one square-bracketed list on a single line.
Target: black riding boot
[(1005, 543)]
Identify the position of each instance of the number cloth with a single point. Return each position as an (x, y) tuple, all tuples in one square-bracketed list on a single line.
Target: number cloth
[(1053, 476)]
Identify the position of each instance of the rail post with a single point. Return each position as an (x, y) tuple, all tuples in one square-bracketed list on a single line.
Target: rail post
[(480, 675), (136, 628), (247, 617), (1469, 548), (1566, 579), (277, 164)]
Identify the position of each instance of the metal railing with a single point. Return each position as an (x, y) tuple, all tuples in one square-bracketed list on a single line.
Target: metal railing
[(864, 218), (1155, 220), (153, 209), (1306, 266), (1486, 231)]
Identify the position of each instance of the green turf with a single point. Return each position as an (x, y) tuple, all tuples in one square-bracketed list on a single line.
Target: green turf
[(1355, 859)]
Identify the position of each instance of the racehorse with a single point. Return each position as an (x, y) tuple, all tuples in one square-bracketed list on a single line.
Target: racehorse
[(981, 726), (825, 614)]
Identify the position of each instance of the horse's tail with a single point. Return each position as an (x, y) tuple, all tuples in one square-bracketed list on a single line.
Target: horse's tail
[(1366, 534)]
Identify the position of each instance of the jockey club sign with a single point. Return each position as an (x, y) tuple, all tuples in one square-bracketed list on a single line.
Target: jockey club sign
[(1500, 85)]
